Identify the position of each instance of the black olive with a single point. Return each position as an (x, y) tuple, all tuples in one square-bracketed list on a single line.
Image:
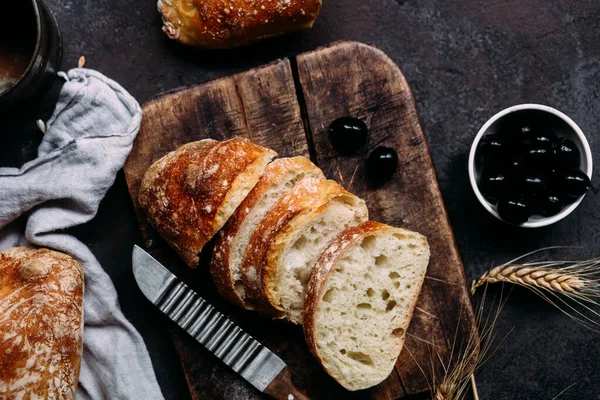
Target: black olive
[(492, 148), (381, 164), (516, 131), (536, 135), (348, 134), (531, 183), (567, 153), (516, 162), (549, 204), (514, 211), (538, 154), (494, 184), (552, 184), (525, 128), (572, 182)]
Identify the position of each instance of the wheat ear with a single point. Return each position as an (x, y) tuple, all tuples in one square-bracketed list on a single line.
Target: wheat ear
[(541, 277), (571, 286)]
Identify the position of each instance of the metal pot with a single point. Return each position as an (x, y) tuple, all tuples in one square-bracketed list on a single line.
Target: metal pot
[(45, 60)]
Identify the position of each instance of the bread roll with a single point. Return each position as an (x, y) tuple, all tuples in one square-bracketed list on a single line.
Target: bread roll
[(189, 194), (230, 23), (279, 178), (41, 324), (360, 300)]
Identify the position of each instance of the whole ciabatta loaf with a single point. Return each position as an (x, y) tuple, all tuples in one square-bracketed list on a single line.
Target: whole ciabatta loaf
[(302, 222), (189, 194), (230, 23), (279, 177), (360, 300), (41, 324)]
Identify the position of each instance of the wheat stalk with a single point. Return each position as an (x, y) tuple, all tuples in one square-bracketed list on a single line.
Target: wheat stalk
[(471, 355), (571, 286)]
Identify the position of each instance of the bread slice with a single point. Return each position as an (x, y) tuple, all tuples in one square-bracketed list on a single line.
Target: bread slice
[(279, 178), (189, 194), (360, 300), (295, 250), (41, 324), (310, 216)]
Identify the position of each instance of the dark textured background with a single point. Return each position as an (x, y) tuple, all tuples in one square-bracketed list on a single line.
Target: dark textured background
[(465, 60)]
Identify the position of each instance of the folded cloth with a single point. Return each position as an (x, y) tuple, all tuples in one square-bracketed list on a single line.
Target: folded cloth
[(86, 143)]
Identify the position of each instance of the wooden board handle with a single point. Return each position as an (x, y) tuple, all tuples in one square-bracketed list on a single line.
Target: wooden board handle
[(282, 387)]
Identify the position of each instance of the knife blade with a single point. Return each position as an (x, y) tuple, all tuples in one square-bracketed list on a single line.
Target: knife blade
[(221, 336)]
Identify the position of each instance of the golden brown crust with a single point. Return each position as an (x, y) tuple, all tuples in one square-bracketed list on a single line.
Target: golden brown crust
[(307, 195), (230, 23), (189, 194), (41, 323), (220, 268)]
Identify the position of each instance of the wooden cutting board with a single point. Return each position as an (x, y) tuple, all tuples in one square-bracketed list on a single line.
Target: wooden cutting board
[(288, 106)]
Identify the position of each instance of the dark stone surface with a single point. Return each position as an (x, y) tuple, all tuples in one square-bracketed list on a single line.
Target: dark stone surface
[(465, 60)]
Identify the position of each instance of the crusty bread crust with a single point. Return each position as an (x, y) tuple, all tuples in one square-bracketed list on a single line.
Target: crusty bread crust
[(189, 194), (227, 239), (162, 199), (41, 324), (306, 196), (223, 24), (337, 251)]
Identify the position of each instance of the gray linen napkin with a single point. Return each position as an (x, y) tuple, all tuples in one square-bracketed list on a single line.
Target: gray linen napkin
[(86, 143)]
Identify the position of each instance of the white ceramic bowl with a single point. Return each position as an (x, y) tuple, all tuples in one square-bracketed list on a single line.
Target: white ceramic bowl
[(562, 125)]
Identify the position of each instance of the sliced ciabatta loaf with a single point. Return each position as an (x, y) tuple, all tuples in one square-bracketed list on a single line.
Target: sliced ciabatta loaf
[(360, 300), (41, 324), (279, 177), (189, 194), (314, 208)]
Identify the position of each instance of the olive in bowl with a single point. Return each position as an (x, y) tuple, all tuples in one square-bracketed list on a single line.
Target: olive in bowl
[(530, 165)]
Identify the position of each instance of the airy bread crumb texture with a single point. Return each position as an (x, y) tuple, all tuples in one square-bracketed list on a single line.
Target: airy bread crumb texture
[(256, 215), (365, 306), (270, 236), (303, 251)]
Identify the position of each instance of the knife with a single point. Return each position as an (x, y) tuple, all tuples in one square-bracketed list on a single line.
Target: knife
[(242, 353)]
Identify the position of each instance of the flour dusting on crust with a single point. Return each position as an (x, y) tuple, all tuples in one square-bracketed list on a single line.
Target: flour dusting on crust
[(41, 324)]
